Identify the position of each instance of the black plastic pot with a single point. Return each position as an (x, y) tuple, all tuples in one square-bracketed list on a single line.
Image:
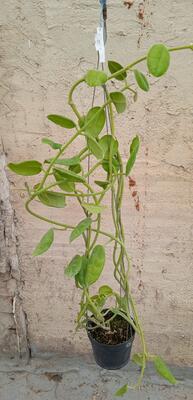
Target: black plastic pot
[(111, 356)]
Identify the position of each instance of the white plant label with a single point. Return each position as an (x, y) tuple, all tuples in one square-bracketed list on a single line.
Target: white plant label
[(99, 44)]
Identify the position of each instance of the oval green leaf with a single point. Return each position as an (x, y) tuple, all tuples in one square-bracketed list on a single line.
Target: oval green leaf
[(93, 208), (105, 290), (119, 101), (73, 267), (158, 60), (26, 168), (45, 243), (75, 168), (80, 228), (65, 161), (95, 78), (141, 80), (53, 145), (115, 67), (94, 121), (95, 265), (81, 276), (52, 199), (63, 183), (102, 184), (99, 302), (115, 165), (106, 142), (163, 370), (133, 154), (120, 392), (95, 148), (68, 175), (61, 121)]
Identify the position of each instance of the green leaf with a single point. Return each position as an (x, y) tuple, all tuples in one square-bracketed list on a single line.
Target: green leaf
[(158, 60), (81, 276), (133, 154), (95, 78), (95, 265), (93, 208), (61, 121), (95, 148), (106, 142), (122, 302), (102, 184), (115, 164), (75, 168), (81, 121), (105, 290), (94, 121), (65, 161), (74, 266), (120, 392), (99, 301), (141, 80), (163, 370), (69, 175), (64, 183), (119, 101), (45, 243), (26, 168), (80, 228), (52, 199), (52, 144), (114, 67), (138, 359)]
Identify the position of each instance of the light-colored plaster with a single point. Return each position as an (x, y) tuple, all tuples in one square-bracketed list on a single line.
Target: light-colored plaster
[(44, 46)]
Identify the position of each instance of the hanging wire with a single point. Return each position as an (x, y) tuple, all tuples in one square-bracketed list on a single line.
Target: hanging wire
[(103, 24), (92, 105), (103, 18)]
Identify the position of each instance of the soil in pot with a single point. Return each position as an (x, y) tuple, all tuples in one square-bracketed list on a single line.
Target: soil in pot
[(120, 331)]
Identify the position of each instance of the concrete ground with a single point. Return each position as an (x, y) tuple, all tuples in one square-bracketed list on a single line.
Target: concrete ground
[(58, 378)]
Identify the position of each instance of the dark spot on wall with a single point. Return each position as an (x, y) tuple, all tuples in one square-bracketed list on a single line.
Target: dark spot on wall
[(134, 193), (128, 3), (141, 11), (140, 285)]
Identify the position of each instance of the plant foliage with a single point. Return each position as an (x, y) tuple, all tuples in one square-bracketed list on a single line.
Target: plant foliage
[(65, 179)]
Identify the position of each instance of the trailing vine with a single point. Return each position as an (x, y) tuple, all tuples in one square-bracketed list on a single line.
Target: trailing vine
[(69, 177)]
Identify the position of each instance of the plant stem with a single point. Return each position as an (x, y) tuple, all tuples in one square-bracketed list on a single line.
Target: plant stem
[(139, 60), (70, 101)]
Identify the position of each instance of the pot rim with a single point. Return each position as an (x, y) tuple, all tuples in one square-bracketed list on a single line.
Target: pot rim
[(130, 340)]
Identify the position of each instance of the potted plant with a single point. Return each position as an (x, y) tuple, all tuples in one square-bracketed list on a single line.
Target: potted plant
[(110, 317)]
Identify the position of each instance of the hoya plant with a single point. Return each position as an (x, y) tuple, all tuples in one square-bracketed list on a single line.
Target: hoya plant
[(63, 177)]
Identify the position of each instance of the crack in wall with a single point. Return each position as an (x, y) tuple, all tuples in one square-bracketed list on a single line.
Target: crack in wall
[(13, 330)]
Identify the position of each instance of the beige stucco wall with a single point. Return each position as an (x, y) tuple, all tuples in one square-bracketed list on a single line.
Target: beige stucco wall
[(46, 44)]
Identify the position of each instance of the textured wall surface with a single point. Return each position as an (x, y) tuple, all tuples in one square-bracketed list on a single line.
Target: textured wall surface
[(46, 44), (13, 327)]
